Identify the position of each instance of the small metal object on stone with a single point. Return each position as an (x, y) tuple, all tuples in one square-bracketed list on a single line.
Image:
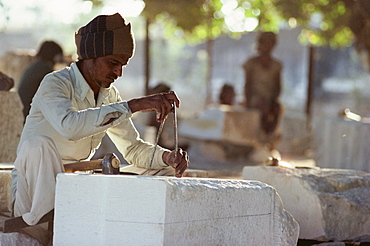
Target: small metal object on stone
[(110, 164)]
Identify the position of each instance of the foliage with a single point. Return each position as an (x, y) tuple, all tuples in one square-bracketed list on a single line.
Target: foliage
[(198, 20), (323, 21), (194, 18)]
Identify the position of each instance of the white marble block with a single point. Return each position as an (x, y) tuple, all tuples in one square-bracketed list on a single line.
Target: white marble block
[(328, 204), (142, 210), (237, 126), (340, 143)]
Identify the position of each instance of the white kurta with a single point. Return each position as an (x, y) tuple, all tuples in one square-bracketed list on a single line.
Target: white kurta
[(72, 126)]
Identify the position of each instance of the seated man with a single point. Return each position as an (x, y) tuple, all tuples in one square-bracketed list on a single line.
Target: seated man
[(71, 112)]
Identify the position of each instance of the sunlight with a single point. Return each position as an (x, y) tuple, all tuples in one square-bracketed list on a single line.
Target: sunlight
[(127, 8), (235, 18), (31, 12)]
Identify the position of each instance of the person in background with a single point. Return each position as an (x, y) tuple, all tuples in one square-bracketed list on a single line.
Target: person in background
[(72, 111), (6, 83), (263, 83), (227, 94), (48, 55)]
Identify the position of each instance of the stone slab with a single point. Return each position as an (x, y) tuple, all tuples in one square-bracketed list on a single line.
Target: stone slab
[(16, 238), (5, 182), (237, 126), (11, 124), (341, 143), (143, 210), (328, 204)]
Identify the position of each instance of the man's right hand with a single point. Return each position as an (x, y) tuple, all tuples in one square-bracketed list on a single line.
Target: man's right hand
[(162, 103), (179, 161)]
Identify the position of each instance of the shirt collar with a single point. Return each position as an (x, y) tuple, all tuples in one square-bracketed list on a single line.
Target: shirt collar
[(81, 86)]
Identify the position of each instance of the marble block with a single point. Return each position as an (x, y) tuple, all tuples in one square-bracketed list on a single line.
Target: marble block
[(17, 238), (143, 210), (237, 126), (5, 182), (11, 124), (341, 143), (328, 204)]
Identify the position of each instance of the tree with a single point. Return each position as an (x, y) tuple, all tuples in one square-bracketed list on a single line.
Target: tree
[(337, 23), (323, 22)]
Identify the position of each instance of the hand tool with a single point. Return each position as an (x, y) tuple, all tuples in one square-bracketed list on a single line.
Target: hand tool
[(160, 129), (175, 129), (110, 164)]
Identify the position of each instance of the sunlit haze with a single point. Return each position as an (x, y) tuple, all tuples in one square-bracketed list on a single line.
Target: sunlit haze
[(26, 13)]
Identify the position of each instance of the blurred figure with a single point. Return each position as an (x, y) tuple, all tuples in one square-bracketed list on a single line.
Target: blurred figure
[(227, 94), (48, 55), (263, 83), (6, 83)]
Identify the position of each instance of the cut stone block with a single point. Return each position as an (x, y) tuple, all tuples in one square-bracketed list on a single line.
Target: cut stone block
[(224, 123), (328, 204), (5, 182), (11, 124), (341, 143), (143, 210), (16, 238)]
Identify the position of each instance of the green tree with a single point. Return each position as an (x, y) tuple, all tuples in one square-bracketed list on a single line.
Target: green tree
[(323, 22)]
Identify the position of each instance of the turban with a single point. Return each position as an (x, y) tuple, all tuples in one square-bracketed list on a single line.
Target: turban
[(104, 35)]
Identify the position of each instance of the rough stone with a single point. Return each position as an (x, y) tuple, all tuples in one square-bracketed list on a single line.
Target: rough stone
[(5, 182), (328, 204), (140, 210), (11, 124), (15, 238)]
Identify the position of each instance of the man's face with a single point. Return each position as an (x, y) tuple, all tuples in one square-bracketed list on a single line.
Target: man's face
[(105, 70)]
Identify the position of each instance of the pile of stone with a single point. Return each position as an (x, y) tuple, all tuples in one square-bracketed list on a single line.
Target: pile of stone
[(328, 204)]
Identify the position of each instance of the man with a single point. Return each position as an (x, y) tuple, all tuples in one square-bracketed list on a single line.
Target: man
[(48, 55), (75, 107)]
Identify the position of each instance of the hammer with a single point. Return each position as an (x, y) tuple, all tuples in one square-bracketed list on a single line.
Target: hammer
[(110, 164)]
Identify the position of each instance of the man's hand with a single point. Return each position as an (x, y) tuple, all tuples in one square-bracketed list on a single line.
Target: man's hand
[(179, 161), (162, 103)]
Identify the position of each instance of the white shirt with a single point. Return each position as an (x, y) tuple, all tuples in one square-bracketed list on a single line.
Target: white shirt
[(64, 109)]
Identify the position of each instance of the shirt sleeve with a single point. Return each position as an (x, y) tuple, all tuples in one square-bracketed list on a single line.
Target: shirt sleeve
[(55, 101), (136, 151)]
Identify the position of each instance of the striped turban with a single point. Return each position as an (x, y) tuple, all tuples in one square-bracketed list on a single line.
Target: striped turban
[(104, 35)]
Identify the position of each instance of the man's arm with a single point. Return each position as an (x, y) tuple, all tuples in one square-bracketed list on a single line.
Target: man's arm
[(75, 118)]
